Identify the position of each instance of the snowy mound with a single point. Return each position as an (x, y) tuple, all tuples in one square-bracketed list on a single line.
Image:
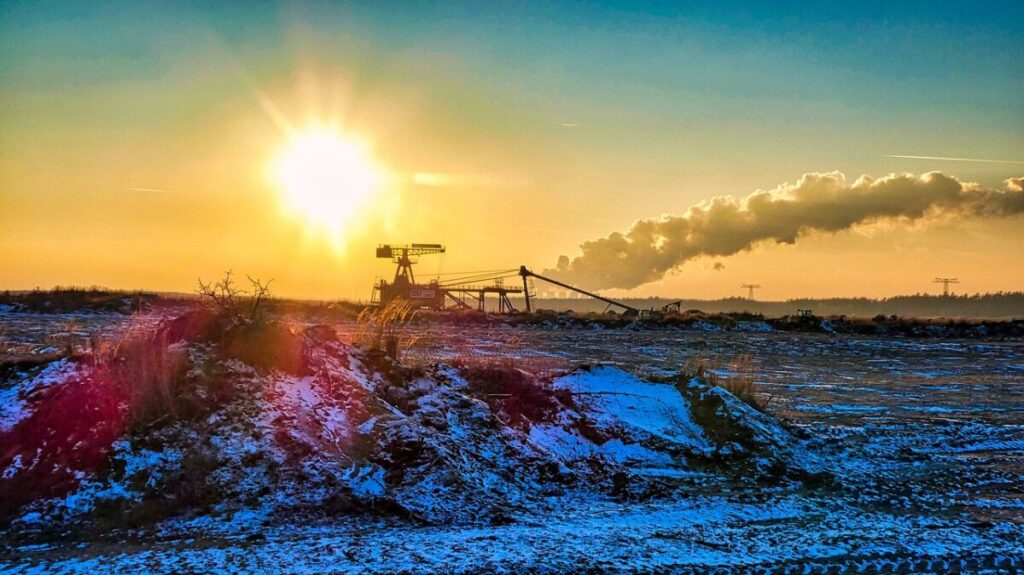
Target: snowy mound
[(617, 417), (315, 427)]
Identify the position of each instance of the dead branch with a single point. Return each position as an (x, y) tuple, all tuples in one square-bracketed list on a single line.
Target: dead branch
[(260, 291)]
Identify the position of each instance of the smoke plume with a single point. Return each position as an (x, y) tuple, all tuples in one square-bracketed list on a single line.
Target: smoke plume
[(816, 203)]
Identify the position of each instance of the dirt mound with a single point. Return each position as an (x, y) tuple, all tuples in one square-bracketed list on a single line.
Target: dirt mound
[(311, 426)]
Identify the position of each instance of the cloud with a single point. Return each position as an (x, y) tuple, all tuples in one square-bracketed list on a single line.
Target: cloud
[(817, 202), (440, 180), (718, 266)]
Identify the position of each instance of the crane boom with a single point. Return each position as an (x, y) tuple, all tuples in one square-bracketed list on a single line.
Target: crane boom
[(630, 310), (388, 251)]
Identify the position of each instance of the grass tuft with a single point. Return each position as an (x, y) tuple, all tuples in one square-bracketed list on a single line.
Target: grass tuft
[(739, 380), (148, 372), (384, 328)]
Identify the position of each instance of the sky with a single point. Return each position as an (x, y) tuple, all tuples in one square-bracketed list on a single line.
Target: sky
[(138, 140)]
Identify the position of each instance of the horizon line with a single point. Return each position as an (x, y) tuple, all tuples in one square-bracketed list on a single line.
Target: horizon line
[(192, 295)]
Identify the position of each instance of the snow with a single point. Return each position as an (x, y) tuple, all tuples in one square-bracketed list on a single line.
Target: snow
[(298, 441), (704, 326), (367, 480), (703, 531), (753, 326), (13, 405), (307, 467), (618, 400), (570, 447)]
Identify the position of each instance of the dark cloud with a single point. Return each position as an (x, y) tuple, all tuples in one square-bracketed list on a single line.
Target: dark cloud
[(719, 266), (816, 203)]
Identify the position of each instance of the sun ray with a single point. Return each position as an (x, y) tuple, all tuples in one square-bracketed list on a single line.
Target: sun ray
[(326, 178)]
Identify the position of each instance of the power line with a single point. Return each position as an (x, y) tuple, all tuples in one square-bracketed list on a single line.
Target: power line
[(945, 284), (750, 290)]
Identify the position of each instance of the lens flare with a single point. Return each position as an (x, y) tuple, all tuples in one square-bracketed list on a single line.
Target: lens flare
[(326, 178)]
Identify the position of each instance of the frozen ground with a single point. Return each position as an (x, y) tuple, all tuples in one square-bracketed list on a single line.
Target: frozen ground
[(789, 534), (922, 423), (926, 436), (41, 333)]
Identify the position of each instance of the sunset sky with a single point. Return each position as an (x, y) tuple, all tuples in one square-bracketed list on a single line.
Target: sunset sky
[(142, 144)]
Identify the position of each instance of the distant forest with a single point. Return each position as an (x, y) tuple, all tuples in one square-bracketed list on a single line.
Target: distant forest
[(981, 306), (1002, 305)]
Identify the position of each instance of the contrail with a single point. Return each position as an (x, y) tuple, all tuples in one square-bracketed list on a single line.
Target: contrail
[(154, 190), (945, 159)]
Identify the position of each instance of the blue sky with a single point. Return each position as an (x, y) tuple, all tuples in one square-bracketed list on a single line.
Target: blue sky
[(611, 111)]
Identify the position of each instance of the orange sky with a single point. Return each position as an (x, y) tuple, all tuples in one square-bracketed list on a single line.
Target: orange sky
[(137, 149)]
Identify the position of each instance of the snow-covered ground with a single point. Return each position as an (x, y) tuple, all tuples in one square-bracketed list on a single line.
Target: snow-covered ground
[(722, 534), (924, 441)]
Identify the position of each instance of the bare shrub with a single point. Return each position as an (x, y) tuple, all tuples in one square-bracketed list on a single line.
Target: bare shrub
[(384, 328), (226, 299), (222, 296), (266, 346), (239, 322)]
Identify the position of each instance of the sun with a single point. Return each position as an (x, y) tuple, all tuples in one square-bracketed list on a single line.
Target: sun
[(326, 178)]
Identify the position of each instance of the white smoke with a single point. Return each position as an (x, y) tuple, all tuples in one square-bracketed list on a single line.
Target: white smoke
[(816, 203)]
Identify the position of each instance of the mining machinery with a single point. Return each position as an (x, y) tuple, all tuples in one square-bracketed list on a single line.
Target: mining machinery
[(404, 285), (470, 290), (457, 291)]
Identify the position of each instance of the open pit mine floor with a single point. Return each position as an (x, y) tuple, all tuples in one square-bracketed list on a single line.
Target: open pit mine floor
[(902, 455)]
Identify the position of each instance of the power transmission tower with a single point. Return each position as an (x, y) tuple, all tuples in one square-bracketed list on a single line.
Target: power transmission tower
[(750, 290), (945, 284)]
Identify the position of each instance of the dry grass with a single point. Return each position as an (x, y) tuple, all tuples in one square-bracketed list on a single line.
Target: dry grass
[(739, 381), (66, 340), (148, 372), (383, 328)]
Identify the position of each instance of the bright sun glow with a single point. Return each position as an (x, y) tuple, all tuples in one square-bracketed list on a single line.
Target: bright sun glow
[(326, 178)]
